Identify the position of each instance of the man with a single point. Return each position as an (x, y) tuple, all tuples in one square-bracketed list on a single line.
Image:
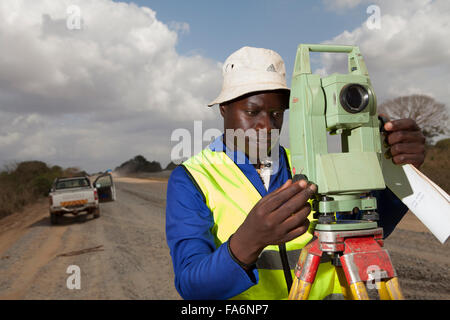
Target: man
[(232, 230)]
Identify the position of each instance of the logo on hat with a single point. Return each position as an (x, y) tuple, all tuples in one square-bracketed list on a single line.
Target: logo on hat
[(271, 68)]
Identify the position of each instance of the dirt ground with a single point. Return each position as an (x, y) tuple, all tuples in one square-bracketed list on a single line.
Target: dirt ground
[(421, 261), (124, 255), (133, 261)]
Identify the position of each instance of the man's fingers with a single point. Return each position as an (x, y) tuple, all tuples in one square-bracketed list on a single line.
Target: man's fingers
[(294, 204), (414, 159), (267, 198), (297, 232), (407, 148), (276, 199), (284, 186), (402, 124), (296, 219), (405, 136)]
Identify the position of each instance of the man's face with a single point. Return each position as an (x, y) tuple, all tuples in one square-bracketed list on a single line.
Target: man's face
[(260, 111)]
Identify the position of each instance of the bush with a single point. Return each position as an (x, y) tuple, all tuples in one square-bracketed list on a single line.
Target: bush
[(42, 184), (139, 164), (24, 183)]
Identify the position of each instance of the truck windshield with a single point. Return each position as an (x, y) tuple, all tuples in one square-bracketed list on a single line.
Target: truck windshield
[(72, 183)]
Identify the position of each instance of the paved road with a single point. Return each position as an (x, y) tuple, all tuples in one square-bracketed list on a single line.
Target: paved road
[(133, 261)]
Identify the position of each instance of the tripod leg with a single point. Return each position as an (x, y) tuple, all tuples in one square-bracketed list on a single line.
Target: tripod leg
[(344, 284), (294, 289), (357, 286), (293, 293), (359, 291), (394, 290), (383, 291), (301, 291), (305, 278)]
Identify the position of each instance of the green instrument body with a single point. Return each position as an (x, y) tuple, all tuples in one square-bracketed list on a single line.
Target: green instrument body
[(343, 104)]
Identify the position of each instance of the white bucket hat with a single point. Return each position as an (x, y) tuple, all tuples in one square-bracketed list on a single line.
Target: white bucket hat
[(250, 70)]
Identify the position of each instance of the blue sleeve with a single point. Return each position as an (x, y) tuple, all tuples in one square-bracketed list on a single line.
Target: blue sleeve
[(202, 271), (390, 209)]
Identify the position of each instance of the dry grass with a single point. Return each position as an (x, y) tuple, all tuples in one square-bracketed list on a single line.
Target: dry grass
[(437, 164)]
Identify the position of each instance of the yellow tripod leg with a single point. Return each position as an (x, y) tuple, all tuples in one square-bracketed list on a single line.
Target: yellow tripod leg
[(358, 290), (293, 292), (300, 290), (383, 291), (303, 290), (344, 284), (393, 288)]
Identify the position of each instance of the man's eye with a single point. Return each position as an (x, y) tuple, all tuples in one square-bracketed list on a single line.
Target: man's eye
[(277, 114), (251, 112)]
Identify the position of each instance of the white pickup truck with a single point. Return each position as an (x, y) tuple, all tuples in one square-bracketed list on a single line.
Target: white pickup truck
[(72, 195)]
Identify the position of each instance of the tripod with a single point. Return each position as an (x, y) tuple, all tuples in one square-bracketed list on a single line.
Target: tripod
[(356, 250)]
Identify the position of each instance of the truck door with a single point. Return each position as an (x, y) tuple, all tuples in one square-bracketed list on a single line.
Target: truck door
[(105, 188)]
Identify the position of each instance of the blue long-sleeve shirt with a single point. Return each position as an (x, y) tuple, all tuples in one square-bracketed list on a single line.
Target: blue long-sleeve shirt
[(203, 271)]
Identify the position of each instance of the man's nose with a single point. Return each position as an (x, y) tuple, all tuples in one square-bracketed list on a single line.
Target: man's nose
[(265, 122)]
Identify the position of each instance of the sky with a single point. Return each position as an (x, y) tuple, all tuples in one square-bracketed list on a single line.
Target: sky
[(93, 83)]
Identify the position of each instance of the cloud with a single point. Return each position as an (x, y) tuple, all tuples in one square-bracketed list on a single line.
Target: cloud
[(409, 54), (98, 94)]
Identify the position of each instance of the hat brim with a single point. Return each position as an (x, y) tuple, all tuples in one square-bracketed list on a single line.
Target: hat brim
[(236, 92)]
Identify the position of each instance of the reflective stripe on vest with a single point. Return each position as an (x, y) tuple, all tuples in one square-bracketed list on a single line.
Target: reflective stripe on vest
[(230, 196)]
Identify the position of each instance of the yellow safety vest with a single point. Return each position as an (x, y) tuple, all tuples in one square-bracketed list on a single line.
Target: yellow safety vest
[(230, 196)]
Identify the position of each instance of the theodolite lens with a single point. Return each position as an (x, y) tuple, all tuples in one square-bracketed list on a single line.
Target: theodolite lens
[(354, 98)]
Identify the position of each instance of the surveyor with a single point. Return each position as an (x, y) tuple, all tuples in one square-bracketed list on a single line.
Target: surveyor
[(232, 217)]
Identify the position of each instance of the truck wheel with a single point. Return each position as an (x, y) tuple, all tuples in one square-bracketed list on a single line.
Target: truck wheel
[(53, 218), (96, 212)]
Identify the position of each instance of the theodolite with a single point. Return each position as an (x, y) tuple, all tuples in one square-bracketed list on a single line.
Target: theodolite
[(345, 105)]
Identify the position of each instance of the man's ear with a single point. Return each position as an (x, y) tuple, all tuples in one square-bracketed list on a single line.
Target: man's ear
[(222, 109)]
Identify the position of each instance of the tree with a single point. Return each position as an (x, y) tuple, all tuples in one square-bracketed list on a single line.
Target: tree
[(431, 116), (139, 164), (171, 166)]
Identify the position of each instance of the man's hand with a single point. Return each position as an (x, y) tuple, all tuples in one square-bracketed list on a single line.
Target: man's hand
[(406, 141), (277, 218)]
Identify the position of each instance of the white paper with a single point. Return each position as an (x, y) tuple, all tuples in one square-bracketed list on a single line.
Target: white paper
[(421, 195)]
